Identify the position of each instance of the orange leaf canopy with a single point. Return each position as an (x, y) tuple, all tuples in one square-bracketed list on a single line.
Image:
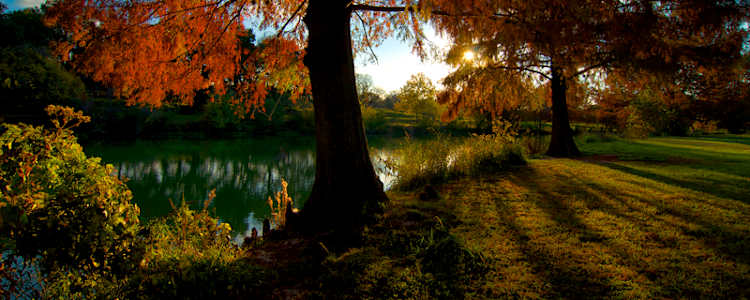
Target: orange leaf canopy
[(156, 51)]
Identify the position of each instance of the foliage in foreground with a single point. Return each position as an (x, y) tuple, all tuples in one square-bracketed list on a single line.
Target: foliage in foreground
[(59, 208), (189, 255), (68, 229)]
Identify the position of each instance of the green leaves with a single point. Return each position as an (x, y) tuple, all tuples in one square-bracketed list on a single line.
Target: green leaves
[(58, 207)]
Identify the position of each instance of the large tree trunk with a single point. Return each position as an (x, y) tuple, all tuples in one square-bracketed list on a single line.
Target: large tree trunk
[(561, 144), (347, 193)]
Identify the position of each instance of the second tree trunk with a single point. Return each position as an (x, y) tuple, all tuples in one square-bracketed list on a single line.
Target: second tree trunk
[(561, 143)]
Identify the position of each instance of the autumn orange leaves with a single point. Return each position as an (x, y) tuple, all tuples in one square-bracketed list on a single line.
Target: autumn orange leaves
[(158, 52)]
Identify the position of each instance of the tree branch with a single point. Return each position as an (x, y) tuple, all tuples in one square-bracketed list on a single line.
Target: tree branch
[(396, 9), (591, 67), (522, 69), (367, 37), (296, 11)]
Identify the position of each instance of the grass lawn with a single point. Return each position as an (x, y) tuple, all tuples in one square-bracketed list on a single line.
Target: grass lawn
[(654, 218)]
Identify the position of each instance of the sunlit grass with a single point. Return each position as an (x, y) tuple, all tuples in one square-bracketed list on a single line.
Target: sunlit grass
[(664, 217)]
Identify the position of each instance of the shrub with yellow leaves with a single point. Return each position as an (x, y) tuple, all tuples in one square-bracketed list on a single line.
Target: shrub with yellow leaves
[(61, 211)]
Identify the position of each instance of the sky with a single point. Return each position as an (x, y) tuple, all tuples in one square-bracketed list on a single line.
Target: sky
[(18, 4), (396, 63)]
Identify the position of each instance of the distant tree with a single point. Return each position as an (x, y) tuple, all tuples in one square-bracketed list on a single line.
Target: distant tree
[(29, 78), (364, 83), (25, 28), (389, 100), (417, 96), (30, 81), (367, 93), (376, 97)]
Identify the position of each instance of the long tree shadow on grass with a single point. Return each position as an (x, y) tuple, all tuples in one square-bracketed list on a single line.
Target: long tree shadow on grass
[(707, 186), (678, 229), (741, 139), (596, 235), (721, 157), (567, 278)]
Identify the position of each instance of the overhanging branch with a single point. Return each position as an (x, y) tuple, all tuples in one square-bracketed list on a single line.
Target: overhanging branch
[(397, 9), (521, 69)]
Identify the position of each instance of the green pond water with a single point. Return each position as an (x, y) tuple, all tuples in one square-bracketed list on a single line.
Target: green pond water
[(244, 173)]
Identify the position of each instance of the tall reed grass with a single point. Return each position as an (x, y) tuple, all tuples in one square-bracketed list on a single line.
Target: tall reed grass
[(420, 162)]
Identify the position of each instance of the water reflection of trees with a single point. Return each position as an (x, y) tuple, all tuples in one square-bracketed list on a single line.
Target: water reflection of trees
[(244, 174), (242, 183)]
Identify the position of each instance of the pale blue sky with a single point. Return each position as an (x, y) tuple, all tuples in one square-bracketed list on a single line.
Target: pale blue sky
[(18, 4), (395, 64)]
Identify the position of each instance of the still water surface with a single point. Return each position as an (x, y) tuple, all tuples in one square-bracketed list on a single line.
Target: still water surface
[(244, 173)]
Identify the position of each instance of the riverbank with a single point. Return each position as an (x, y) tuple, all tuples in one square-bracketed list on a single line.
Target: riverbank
[(114, 121), (655, 218)]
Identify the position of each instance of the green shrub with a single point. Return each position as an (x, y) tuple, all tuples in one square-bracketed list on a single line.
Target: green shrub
[(636, 126), (68, 229), (189, 255), (484, 154), (374, 120), (595, 138), (535, 145), (221, 114), (61, 209)]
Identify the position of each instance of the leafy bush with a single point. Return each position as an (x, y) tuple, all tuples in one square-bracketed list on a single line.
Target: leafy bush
[(636, 127), (535, 145), (60, 208), (68, 229), (221, 114), (374, 120), (489, 153), (189, 255)]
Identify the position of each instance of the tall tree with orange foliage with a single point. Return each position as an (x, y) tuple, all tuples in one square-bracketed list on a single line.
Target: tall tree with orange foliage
[(558, 41), (148, 50)]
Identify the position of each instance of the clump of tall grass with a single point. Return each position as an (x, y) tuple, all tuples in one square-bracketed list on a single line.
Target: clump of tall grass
[(417, 163), (420, 162)]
